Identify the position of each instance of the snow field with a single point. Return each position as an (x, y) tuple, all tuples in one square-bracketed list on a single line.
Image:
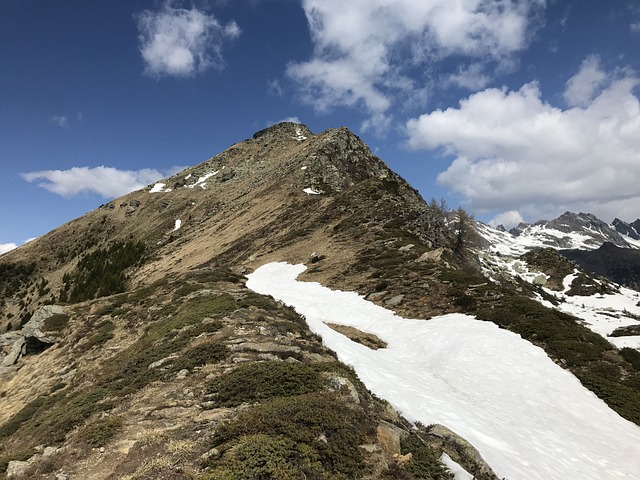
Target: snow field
[(529, 418)]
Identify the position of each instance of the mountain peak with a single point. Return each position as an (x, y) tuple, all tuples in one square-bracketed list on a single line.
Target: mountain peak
[(293, 130)]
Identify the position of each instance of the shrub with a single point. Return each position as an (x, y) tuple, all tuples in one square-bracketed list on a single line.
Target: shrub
[(99, 432), (259, 381), (632, 356), (266, 457), (302, 420), (424, 463), (201, 354), (103, 333)]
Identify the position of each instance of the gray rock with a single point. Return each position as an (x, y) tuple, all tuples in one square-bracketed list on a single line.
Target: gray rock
[(266, 347), (17, 350), (16, 468), (394, 301), (338, 383), (161, 362), (48, 451), (182, 374), (540, 279), (34, 326), (462, 452), (406, 248), (376, 295), (432, 256)]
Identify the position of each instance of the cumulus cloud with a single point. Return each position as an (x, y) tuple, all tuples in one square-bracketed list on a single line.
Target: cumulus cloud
[(508, 219), (364, 49), (583, 86), (59, 121), (181, 42), (7, 247), (107, 182), (512, 150)]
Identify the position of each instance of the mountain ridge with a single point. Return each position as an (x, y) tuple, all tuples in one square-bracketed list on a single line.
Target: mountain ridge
[(158, 327)]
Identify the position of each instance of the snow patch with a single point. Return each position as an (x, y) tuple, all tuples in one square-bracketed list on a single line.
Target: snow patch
[(177, 225), (299, 135), (310, 191), (459, 473), (157, 188), (529, 418)]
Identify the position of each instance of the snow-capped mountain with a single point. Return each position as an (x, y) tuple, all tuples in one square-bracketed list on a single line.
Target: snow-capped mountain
[(568, 231), (631, 230)]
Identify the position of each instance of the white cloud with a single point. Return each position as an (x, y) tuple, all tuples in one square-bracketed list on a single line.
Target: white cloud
[(7, 247), (582, 88), (514, 151), (508, 219), (274, 88), (364, 48), (471, 77), (59, 121), (107, 182), (286, 119), (181, 42)]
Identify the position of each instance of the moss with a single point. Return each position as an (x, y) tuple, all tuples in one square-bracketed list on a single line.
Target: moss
[(259, 381)]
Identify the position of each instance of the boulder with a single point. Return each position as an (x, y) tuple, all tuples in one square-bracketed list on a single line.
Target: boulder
[(461, 451), (17, 350), (432, 256)]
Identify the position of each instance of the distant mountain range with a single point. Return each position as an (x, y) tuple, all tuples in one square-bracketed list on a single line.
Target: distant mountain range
[(582, 231), (608, 250)]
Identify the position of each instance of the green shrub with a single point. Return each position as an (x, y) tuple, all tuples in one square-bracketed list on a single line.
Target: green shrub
[(26, 413), (103, 333), (303, 419), (267, 457), (99, 432), (425, 462), (626, 331), (632, 356), (201, 354), (259, 381), (621, 398), (101, 272)]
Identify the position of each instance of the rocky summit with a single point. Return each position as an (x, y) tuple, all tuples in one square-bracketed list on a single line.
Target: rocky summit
[(131, 347)]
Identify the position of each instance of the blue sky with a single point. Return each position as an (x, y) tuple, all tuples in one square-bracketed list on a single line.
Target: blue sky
[(512, 110)]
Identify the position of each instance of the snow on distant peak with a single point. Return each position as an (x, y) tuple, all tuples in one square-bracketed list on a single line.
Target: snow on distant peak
[(529, 418), (581, 231)]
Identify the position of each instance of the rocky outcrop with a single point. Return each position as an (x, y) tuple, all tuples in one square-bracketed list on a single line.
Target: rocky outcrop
[(30, 339), (462, 452)]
